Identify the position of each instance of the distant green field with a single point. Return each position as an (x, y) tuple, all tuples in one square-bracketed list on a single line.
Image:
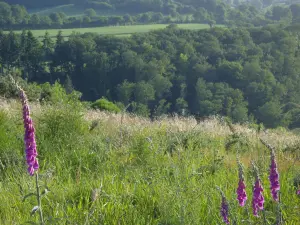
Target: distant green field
[(116, 30)]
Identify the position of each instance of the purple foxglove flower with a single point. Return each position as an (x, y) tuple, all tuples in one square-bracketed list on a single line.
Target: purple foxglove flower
[(224, 210), (241, 190), (241, 193), (298, 192), (29, 137), (274, 178), (258, 198)]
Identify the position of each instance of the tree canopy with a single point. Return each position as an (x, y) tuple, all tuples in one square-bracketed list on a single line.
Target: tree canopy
[(242, 73)]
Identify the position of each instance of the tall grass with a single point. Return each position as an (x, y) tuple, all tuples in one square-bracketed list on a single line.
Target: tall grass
[(127, 170)]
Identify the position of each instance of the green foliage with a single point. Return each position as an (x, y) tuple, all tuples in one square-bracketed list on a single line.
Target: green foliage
[(90, 12), (218, 98), (140, 109), (57, 95), (125, 91), (245, 74), (162, 108), (104, 104), (144, 92), (271, 114)]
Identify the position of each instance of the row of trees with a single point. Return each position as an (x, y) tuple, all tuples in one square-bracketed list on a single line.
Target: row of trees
[(247, 74), (136, 6), (16, 16)]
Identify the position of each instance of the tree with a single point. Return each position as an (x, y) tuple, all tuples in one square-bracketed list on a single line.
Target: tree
[(239, 114), (270, 114), (34, 19), (32, 55), (125, 92), (62, 15), (10, 50), (161, 85), (145, 17), (48, 46), (144, 92), (59, 39), (201, 15), (68, 85), (115, 20), (181, 106), (162, 107), (230, 72), (127, 19), (46, 21), (86, 19), (157, 17), (56, 19), (19, 13), (90, 12), (5, 13), (281, 13), (295, 9), (140, 109), (211, 23)]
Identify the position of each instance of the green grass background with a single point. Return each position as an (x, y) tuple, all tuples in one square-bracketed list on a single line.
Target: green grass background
[(162, 173)]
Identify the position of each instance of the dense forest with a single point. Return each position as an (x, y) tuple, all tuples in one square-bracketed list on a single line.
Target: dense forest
[(229, 13), (248, 71), (248, 74)]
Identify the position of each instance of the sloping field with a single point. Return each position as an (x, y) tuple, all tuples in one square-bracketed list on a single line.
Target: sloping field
[(117, 30), (103, 168)]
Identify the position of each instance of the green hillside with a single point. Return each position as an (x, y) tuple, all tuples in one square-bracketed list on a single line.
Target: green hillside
[(93, 13)]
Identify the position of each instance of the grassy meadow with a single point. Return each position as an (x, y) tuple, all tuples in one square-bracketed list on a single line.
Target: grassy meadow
[(116, 30), (103, 168)]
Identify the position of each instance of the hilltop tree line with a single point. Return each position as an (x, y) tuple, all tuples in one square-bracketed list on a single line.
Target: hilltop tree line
[(247, 74), (188, 11), (142, 5)]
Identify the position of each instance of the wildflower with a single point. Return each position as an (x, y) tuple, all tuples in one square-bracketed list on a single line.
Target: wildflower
[(274, 178), (29, 137), (298, 192), (258, 198), (225, 210), (241, 190), (241, 193)]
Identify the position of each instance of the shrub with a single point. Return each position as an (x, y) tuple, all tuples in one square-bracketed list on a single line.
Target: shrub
[(104, 104)]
